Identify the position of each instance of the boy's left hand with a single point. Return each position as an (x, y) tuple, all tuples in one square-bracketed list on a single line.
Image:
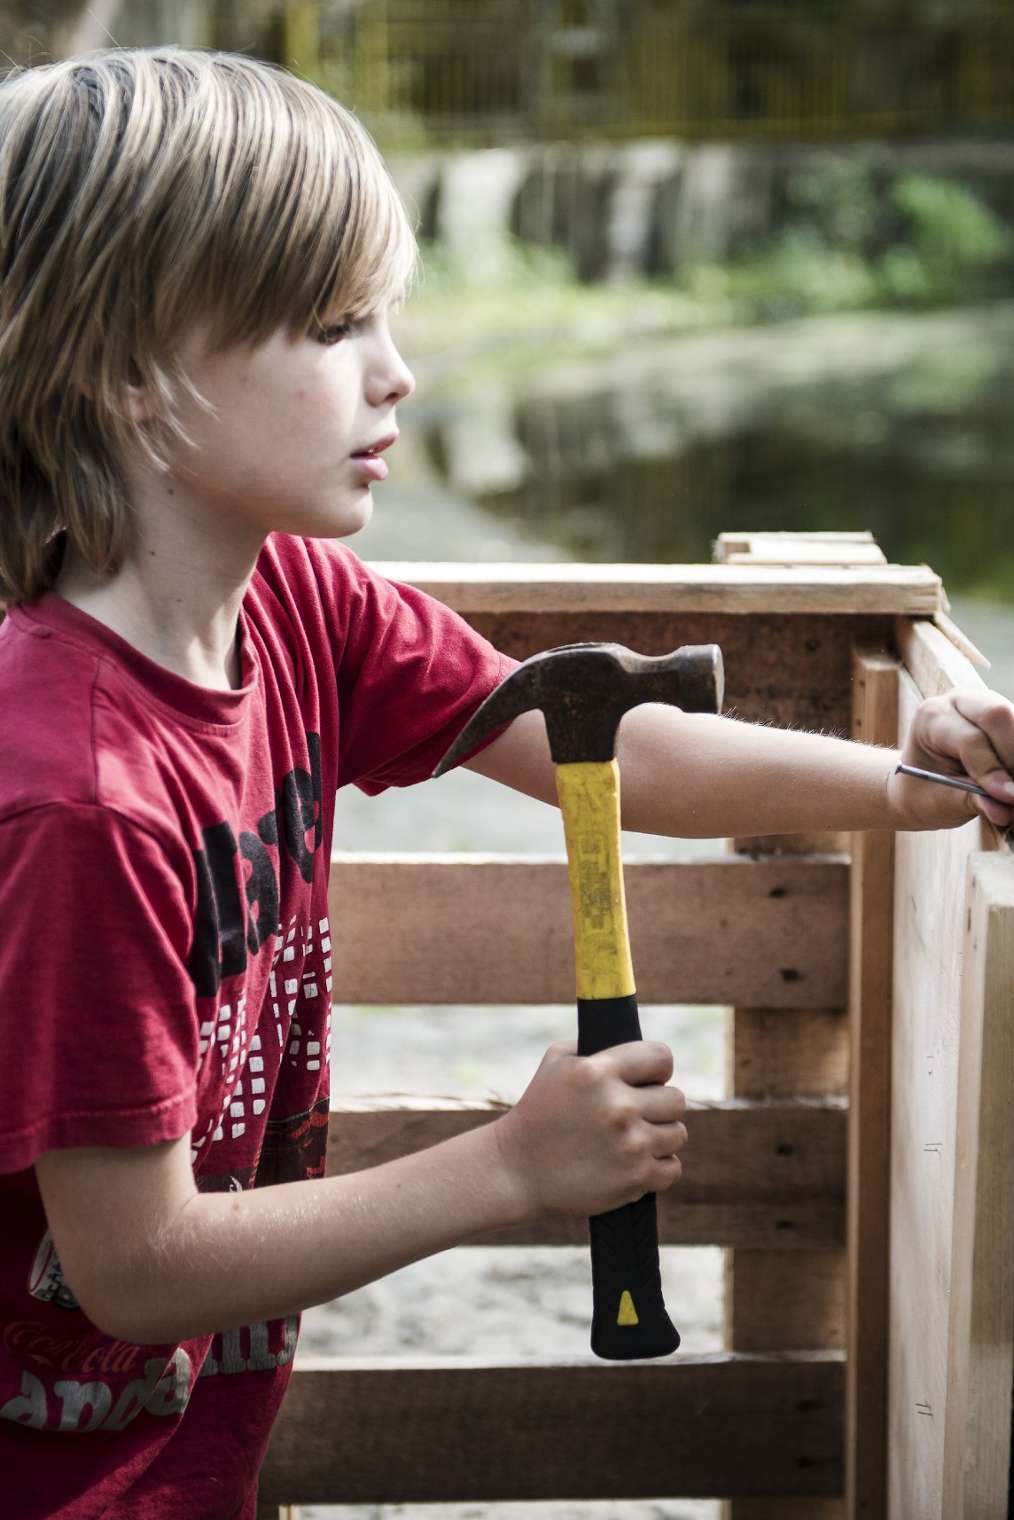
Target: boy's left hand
[(967, 733)]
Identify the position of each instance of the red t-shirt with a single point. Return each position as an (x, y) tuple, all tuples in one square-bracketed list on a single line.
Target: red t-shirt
[(166, 966)]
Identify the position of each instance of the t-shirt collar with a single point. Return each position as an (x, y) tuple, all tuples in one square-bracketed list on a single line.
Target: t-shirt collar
[(50, 610)]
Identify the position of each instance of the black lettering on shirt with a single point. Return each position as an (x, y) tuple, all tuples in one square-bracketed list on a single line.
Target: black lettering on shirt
[(223, 933)]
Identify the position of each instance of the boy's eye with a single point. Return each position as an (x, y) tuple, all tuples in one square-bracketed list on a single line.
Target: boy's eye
[(335, 332)]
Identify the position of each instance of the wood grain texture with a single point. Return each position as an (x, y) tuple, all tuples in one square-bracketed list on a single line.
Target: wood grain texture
[(929, 942), (787, 1056), (759, 1175), (849, 549), (935, 663), (498, 929), (977, 1439), (743, 588), (768, 1307), (875, 721), (399, 1432)]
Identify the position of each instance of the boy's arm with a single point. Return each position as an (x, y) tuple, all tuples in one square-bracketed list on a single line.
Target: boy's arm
[(701, 776), (152, 1260)]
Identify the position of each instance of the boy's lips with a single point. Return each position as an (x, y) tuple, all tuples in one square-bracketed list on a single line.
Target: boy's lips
[(377, 447)]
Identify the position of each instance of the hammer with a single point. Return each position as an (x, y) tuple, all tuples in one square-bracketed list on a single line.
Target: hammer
[(583, 690)]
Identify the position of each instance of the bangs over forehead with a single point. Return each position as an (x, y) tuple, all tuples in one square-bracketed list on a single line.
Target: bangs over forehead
[(163, 186), (285, 211)]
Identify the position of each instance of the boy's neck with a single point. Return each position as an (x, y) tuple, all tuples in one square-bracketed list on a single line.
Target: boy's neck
[(128, 608)]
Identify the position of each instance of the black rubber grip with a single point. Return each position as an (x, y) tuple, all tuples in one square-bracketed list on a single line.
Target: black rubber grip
[(629, 1318)]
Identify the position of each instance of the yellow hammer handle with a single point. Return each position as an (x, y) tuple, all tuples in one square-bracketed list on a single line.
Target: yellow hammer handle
[(589, 793)]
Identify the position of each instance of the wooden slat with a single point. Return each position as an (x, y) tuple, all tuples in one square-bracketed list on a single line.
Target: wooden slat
[(932, 659), (977, 1441), (960, 640), (929, 929), (875, 721), (756, 1175), (767, 1306), (799, 549), (411, 1433), (498, 929), (781, 1047), (650, 588)]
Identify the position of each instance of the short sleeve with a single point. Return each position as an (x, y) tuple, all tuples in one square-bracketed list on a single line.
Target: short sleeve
[(99, 1036), (410, 674)]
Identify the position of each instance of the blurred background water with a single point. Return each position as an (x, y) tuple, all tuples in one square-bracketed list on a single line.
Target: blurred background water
[(687, 269)]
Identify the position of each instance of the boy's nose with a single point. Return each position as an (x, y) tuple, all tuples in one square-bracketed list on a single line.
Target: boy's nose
[(392, 380), (404, 384)]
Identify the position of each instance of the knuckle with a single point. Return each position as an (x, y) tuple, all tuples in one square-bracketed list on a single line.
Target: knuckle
[(663, 1055), (623, 1115), (585, 1074)]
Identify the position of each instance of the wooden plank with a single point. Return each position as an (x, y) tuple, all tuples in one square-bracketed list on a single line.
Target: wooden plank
[(739, 542), (759, 1175), (929, 931), (977, 1439), (789, 1056), (767, 1306), (875, 721), (498, 929), (932, 659), (799, 549), (410, 1432), (907, 590), (960, 640), (818, 1313)]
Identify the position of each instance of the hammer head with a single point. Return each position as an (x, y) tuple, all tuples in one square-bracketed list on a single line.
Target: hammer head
[(584, 689)]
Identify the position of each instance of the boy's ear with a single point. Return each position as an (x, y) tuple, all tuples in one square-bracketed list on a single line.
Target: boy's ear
[(137, 400)]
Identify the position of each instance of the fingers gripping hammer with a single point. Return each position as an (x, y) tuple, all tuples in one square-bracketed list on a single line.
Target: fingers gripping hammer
[(583, 690)]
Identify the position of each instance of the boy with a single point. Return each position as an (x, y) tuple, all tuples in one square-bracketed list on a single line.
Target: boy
[(198, 254)]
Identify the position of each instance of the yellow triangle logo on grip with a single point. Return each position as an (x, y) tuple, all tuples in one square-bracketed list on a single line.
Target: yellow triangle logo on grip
[(627, 1314)]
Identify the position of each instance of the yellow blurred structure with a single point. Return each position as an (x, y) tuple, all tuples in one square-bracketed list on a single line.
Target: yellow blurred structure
[(489, 71)]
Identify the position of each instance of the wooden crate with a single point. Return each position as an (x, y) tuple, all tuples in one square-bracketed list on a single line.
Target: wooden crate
[(855, 1174)]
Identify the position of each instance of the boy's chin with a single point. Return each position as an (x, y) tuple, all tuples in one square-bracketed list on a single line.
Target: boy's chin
[(335, 521)]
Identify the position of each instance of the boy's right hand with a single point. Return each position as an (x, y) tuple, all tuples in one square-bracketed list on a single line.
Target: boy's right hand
[(593, 1132)]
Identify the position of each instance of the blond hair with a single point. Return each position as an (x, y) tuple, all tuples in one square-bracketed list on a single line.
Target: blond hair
[(141, 190)]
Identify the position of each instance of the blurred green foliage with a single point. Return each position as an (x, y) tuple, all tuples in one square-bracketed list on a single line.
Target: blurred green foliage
[(850, 242)]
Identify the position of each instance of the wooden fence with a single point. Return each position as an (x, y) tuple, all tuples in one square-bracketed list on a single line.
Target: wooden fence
[(857, 1174)]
